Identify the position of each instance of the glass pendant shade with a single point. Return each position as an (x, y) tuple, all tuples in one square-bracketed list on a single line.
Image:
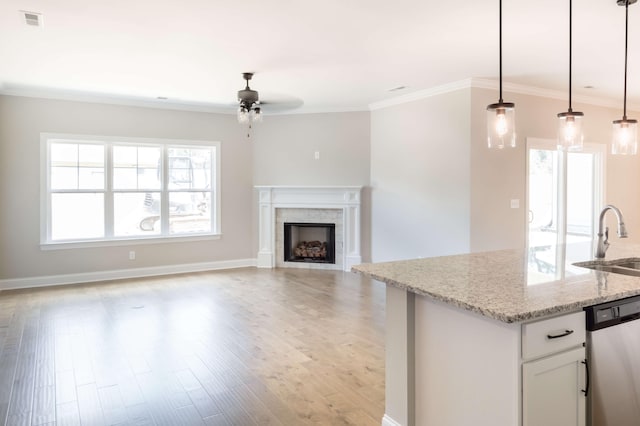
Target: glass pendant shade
[(625, 131), (570, 135), (625, 137), (501, 116), (501, 120)]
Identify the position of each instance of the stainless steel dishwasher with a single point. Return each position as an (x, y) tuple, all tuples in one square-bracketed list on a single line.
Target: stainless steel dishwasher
[(613, 354)]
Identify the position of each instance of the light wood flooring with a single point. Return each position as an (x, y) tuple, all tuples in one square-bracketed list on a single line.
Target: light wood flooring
[(239, 347)]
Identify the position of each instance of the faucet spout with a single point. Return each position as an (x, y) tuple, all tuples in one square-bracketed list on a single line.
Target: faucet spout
[(603, 233)]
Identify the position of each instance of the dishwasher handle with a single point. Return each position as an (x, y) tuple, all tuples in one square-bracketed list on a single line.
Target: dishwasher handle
[(556, 336), (586, 367)]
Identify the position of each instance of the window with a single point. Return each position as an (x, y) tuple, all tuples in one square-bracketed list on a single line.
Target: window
[(108, 189), (565, 195), (564, 192)]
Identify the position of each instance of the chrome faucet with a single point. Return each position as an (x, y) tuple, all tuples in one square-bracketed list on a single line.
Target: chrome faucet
[(603, 237)]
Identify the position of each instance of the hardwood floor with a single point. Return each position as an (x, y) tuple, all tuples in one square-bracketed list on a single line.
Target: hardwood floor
[(238, 347)]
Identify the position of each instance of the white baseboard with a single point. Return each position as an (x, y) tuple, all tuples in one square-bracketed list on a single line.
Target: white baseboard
[(388, 421), (85, 277)]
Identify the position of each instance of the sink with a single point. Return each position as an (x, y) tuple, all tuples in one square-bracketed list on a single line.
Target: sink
[(619, 266)]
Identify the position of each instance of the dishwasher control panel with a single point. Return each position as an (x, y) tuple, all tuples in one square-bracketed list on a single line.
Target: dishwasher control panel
[(612, 313)]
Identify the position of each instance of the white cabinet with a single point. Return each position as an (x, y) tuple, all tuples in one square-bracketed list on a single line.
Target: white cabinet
[(448, 366), (554, 372), (552, 390)]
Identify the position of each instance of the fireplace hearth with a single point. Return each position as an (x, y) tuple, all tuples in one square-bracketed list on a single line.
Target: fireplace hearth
[(309, 242)]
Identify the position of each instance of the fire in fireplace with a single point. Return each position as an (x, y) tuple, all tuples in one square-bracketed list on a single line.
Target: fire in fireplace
[(309, 242)]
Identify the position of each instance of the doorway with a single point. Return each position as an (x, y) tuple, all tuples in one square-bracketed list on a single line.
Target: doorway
[(565, 191)]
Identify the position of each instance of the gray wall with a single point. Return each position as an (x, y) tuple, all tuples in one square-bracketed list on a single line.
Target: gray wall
[(420, 178), (23, 119), (283, 147), (437, 189)]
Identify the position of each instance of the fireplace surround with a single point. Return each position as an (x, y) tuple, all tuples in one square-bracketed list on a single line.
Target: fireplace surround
[(297, 204)]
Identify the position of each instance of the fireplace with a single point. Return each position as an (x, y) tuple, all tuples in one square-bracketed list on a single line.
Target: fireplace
[(339, 205), (309, 242)]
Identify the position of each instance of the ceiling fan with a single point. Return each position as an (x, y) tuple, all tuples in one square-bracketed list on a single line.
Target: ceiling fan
[(250, 108), (248, 102)]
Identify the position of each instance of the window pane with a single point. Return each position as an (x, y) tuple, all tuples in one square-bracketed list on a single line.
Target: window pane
[(64, 154), (189, 212), (190, 168), (543, 178), (149, 178), (125, 156), (91, 155), (124, 178), (64, 177), (77, 216), (136, 167), (77, 166), (91, 178), (580, 193), (136, 214)]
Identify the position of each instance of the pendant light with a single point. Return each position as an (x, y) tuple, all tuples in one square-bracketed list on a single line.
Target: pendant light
[(570, 136), (501, 116), (625, 131)]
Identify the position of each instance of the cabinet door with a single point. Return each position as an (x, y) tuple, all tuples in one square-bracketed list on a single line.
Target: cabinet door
[(553, 390)]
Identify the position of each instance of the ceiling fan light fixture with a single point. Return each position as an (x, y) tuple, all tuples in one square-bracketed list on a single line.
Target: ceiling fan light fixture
[(501, 116), (625, 131), (249, 103)]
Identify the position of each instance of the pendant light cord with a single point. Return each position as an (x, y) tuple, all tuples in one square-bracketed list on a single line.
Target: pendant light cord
[(626, 42), (500, 50), (570, 44)]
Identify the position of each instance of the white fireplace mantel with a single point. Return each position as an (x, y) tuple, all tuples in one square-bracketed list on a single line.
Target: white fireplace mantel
[(345, 198)]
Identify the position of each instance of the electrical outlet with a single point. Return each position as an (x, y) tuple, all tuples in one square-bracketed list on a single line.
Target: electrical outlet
[(132, 255), (515, 204), (316, 155)]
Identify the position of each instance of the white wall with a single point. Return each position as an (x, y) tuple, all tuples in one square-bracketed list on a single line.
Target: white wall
[(420, 178)]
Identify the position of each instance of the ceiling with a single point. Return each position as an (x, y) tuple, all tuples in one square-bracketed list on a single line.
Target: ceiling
[(330, 55)]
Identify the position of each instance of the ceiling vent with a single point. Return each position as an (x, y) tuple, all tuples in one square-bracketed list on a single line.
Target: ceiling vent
[(32, 18)]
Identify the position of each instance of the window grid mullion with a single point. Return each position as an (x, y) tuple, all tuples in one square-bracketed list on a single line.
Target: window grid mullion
[(108, 193), (164, 193)]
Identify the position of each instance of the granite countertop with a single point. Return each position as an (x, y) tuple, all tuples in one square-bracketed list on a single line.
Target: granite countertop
[(513, 285)]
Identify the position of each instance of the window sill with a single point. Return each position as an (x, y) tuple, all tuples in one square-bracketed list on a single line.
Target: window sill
[(63, 245)]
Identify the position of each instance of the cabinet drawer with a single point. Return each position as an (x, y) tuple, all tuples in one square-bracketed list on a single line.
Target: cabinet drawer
[(552, 335)]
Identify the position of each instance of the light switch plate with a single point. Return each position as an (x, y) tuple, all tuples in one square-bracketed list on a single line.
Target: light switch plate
[(515, 204)]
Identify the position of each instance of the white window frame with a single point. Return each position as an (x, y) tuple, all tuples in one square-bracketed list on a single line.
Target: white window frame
[(561, 198), (109, 239)]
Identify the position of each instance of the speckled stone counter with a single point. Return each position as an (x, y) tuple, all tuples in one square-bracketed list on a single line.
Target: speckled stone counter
[(513, 285)]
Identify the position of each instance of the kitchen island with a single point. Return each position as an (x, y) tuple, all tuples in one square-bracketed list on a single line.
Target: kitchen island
[(481, 339)]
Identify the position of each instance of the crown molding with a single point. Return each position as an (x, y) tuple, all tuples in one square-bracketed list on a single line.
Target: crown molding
[(421, 94), (480, 83), (167, 104)]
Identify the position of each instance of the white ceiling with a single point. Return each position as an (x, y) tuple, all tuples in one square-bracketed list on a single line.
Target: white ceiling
[(330, 55)]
